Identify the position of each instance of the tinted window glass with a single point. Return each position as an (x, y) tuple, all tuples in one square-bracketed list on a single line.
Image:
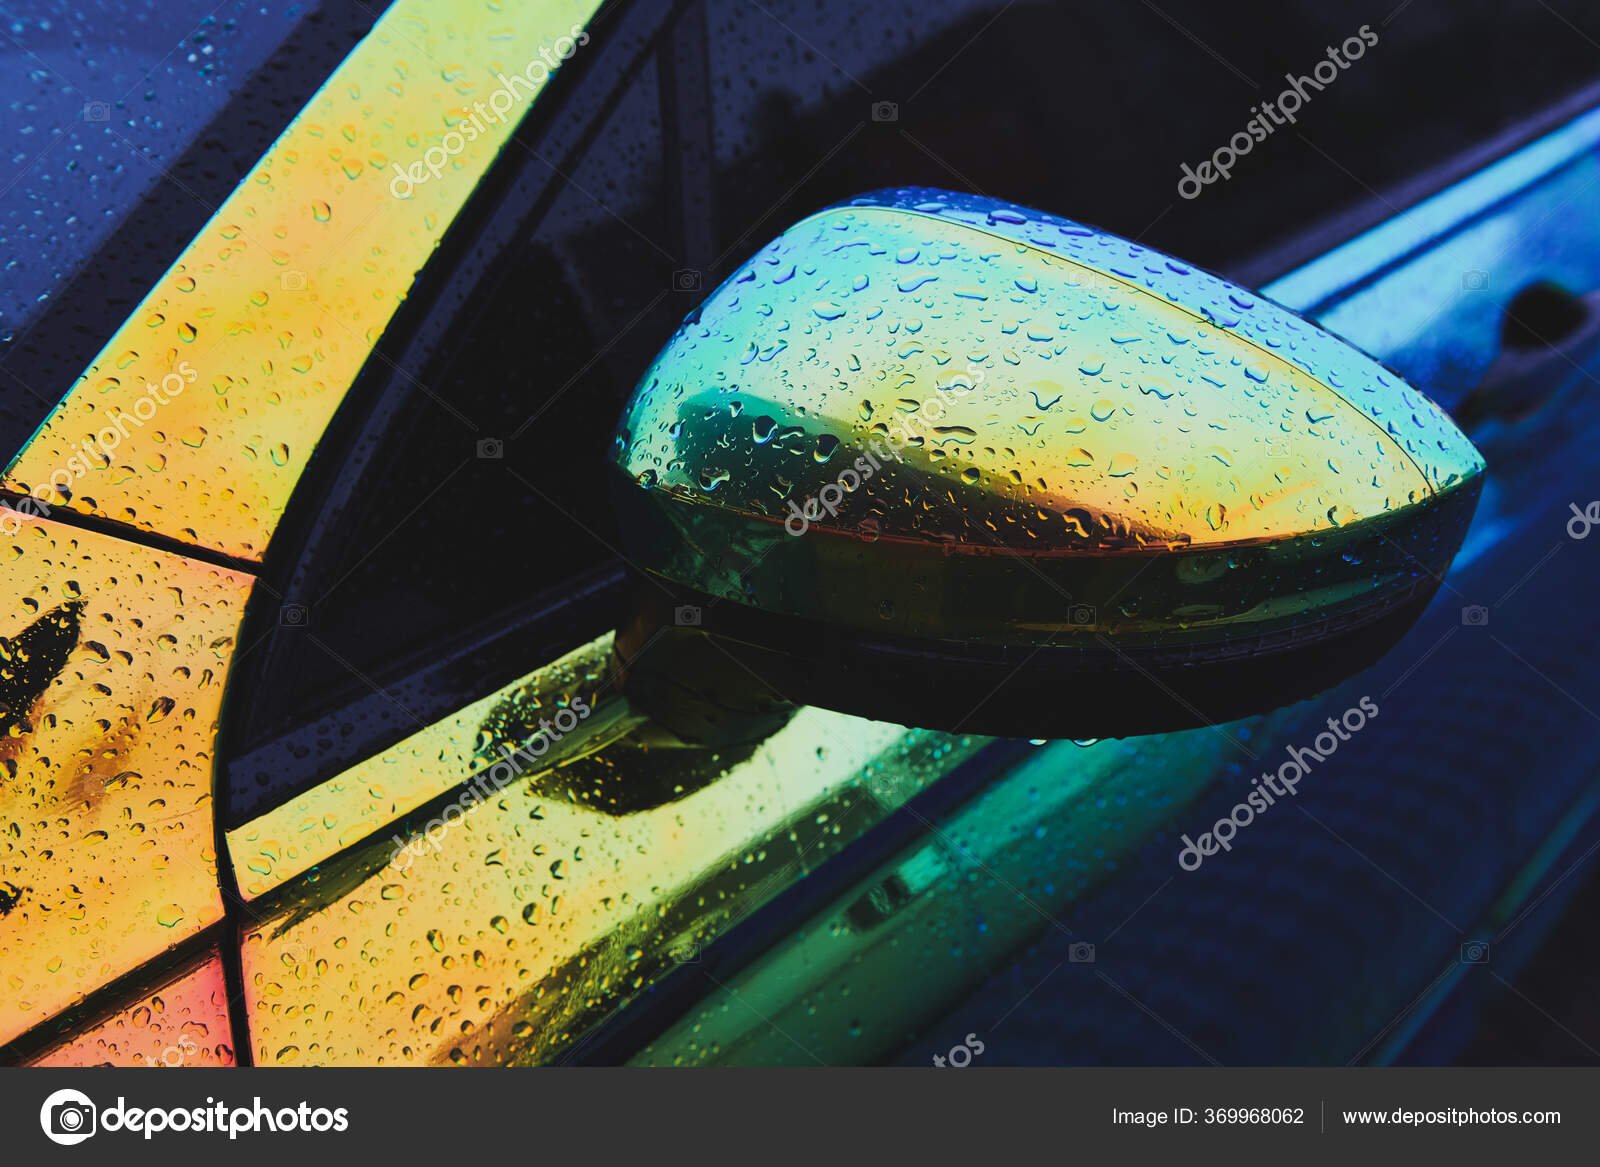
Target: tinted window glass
[(486, 489)]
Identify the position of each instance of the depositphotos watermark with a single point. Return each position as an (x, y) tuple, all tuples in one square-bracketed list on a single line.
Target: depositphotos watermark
[(961, 1054), (487, 783), (69, 1117), (903, 432), (513, 89), (96, 449), (1582, 522), (1272, 786), (1269, 115), (175, 1055)]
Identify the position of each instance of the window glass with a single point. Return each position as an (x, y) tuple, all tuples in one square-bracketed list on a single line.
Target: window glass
[(490, 487)]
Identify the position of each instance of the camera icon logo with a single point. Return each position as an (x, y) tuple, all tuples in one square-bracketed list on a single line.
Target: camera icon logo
[(1081, 953), (96, 111), (885, 111), (686, 280), (686, 616), (293, 280), (1278, 449), (1475, 952), (1475, 616), (293, 616), (685, 952), (491, 449), (1475, 281), (68, 1117), (1083, 615)]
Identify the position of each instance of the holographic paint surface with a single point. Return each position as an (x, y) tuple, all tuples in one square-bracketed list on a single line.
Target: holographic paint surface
[(275, 307), (952, 378), (343, 811), (194, 423), (519, 923), (180, 1023), (112, 670)]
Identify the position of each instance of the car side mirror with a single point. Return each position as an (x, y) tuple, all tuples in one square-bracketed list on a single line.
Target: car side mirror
[(940, 460)]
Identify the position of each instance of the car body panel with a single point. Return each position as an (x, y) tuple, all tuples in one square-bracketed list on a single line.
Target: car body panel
[(324, 968), (183, 1021), (279, 301), (116, 659)]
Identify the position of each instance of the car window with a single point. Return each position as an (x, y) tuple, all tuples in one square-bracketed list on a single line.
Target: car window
[(489, 489), (470, 490)]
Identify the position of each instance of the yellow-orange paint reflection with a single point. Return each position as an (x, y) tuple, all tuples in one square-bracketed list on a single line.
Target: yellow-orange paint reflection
[(112, 666), (182, 1022), (198, 416)]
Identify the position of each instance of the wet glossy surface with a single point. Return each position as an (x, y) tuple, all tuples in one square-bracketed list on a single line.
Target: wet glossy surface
[(339, 813), (943, 914), (154, 72), (510, 928), (951, 376), (180, 1023), (269, 314), (112, 667)]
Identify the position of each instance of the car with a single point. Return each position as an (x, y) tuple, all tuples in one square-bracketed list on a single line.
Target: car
[(316, 753)]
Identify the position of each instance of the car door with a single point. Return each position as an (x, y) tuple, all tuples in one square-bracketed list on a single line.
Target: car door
[(143, 509), (367, 796)]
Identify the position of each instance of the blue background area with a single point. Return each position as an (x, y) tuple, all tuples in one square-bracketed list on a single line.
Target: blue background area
[(157, 70)]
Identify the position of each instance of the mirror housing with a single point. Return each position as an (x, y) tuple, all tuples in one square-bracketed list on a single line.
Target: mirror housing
[(945, 461)]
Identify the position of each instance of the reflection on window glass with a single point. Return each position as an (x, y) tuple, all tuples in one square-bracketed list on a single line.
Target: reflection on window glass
[(847, 986)]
